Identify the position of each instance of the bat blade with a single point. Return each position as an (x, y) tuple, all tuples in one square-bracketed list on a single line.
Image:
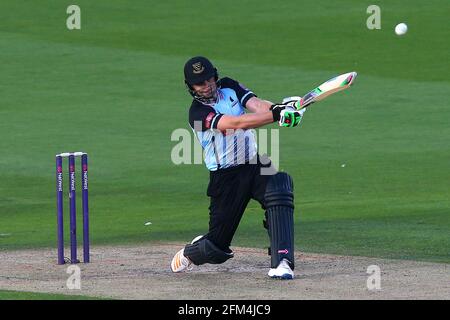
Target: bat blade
[(327, 88)]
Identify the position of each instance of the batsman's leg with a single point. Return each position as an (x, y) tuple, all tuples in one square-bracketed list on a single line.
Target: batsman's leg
[(279, 203)]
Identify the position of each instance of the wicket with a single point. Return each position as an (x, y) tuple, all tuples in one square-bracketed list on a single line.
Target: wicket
[(72, 206)]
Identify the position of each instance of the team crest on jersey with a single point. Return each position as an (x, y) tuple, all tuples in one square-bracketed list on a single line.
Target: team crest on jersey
[(197, 68)]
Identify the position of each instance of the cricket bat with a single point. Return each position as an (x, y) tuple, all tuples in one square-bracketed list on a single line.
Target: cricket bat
[(327, 88)]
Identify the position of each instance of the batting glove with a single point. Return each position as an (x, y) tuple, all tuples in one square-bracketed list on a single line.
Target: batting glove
[(276, 111), (293, 102), (290, 118)]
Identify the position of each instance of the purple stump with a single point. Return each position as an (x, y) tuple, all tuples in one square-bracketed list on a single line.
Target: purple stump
[(59, 206), (84, 188), (73, 210)]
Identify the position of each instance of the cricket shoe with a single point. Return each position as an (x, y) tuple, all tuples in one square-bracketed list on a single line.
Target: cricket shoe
[(196, 239), (180, 262), (283, 271)]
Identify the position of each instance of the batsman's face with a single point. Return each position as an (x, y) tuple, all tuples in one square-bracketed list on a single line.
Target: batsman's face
[(207, 89)]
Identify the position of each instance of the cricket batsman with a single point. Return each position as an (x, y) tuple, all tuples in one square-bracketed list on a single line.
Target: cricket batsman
[(222, 114)]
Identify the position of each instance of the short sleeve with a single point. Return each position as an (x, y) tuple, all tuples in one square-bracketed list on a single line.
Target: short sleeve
[(242, 93), (203, 117)]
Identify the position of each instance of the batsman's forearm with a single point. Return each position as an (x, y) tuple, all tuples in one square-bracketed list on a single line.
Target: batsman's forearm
[(256, 120), (263, 106), (257, 105), (245, 121)]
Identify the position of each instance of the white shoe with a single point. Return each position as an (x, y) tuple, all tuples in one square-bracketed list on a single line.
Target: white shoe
[(196, 239), (283, 271), (180, 262)]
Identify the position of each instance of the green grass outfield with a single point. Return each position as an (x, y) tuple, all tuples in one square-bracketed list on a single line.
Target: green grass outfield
[(17, 295), (115, 90)]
